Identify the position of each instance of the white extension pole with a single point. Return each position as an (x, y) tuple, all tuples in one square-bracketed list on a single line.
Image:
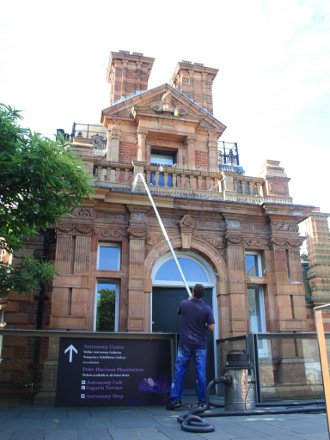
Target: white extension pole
[(163, 228)]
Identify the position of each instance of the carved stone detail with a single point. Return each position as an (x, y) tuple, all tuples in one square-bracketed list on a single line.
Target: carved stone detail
[(111, 216), (187, 221), (84, 229), (83, 212), (235, 239), (187, 225), (168, 105), (218, 243), (283, 242), (72, 228), (257, 242), (152, 239), (113, 233), (65, 227), (234, 224), (254, 227), (281, 226), (137, 232), (137, 217)]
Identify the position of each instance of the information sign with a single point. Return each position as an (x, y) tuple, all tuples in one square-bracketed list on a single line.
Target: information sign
[(113, 372)]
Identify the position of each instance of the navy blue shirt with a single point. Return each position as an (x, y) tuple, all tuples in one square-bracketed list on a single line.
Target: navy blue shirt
[(195, 314)]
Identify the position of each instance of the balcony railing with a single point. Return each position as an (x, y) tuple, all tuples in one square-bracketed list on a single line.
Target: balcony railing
[(228, 157), (228, 182), (97, 134)]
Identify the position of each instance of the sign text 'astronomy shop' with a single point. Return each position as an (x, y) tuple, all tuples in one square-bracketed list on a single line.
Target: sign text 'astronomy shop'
[(113, 372)]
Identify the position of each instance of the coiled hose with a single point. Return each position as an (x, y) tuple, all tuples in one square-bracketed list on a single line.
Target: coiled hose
[(191, 422)]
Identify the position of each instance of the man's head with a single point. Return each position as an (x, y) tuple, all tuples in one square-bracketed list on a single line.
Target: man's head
[(198, 291)]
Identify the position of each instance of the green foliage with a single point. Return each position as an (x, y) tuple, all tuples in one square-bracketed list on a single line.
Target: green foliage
[(304, 258), (106, 301), (40, 180)]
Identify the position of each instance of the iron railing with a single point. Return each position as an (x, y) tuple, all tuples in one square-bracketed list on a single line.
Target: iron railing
[(228, 157), (96, 133)]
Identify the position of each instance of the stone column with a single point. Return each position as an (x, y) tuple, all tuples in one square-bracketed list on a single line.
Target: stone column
[(113, 144), (213, 154), (239, 314), (141, 145), (190, 142), (137, 230)]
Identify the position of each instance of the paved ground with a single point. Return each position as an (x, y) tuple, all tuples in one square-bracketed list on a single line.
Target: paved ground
[(150, 423)]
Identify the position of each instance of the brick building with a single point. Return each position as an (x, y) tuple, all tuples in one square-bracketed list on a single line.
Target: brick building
[(236, 234)]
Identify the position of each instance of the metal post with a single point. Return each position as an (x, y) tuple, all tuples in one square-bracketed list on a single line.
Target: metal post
[(323, 358), (162, 227)]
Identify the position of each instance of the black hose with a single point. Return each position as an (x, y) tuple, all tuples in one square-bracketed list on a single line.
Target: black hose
[(191, 422), (306, 403)]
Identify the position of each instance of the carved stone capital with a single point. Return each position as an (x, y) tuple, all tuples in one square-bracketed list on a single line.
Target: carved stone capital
[(283, 242), (74, 228), (136, 232), (234, 239), (190, 139), (64, 227)]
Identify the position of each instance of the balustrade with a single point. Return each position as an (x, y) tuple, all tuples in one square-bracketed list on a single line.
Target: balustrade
[(184, 182)]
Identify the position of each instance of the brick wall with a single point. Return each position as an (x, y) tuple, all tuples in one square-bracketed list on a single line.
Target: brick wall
[(127, 152), (202, 159)]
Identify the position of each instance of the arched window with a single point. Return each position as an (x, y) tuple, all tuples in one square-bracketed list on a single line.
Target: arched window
[(195, 270), (191, 270)]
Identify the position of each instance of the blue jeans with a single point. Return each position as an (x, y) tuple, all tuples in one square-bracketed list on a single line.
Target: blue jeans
[(181, 366)]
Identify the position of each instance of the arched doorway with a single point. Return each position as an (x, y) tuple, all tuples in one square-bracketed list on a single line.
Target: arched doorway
[(168, 291)]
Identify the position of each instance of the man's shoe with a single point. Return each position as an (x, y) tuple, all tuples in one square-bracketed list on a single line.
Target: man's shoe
[(174, 405), (201, 405)]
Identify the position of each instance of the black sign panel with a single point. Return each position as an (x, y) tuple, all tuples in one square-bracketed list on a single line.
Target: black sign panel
[(113, 372)]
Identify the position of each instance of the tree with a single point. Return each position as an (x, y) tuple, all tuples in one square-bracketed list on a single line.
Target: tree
[(40, 180), (106, 301)]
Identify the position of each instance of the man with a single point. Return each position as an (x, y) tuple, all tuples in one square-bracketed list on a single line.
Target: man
[(197, 317)]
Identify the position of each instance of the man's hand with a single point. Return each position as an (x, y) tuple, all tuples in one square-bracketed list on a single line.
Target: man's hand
[(210, 327)]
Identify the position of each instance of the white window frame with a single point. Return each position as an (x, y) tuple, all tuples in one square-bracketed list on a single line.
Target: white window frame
[(110, 281), (109, 245), (259, 265)]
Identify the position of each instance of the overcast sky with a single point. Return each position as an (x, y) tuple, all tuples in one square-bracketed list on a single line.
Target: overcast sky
[(272, 90)]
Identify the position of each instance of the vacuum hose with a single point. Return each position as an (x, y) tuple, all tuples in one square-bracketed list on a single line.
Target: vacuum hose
[(191, 422)]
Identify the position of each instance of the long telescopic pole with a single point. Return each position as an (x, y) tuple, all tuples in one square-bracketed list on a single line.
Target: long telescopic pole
[(162, 227)]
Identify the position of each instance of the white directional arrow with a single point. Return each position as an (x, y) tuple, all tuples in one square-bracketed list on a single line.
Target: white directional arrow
[(70, 349)]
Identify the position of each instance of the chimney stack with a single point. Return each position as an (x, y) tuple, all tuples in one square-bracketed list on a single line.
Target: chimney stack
[(195, 81), (127, 74)]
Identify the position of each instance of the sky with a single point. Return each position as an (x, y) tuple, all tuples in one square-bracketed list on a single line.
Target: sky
[(272, 90)]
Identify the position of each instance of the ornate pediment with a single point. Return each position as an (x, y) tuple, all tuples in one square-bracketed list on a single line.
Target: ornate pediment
[(165, 102)]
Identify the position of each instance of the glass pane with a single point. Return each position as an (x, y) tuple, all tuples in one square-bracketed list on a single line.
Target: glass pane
[(191, 270), (254, 309), (162, 159), (109, 258), (106, 306), (251, 262)]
